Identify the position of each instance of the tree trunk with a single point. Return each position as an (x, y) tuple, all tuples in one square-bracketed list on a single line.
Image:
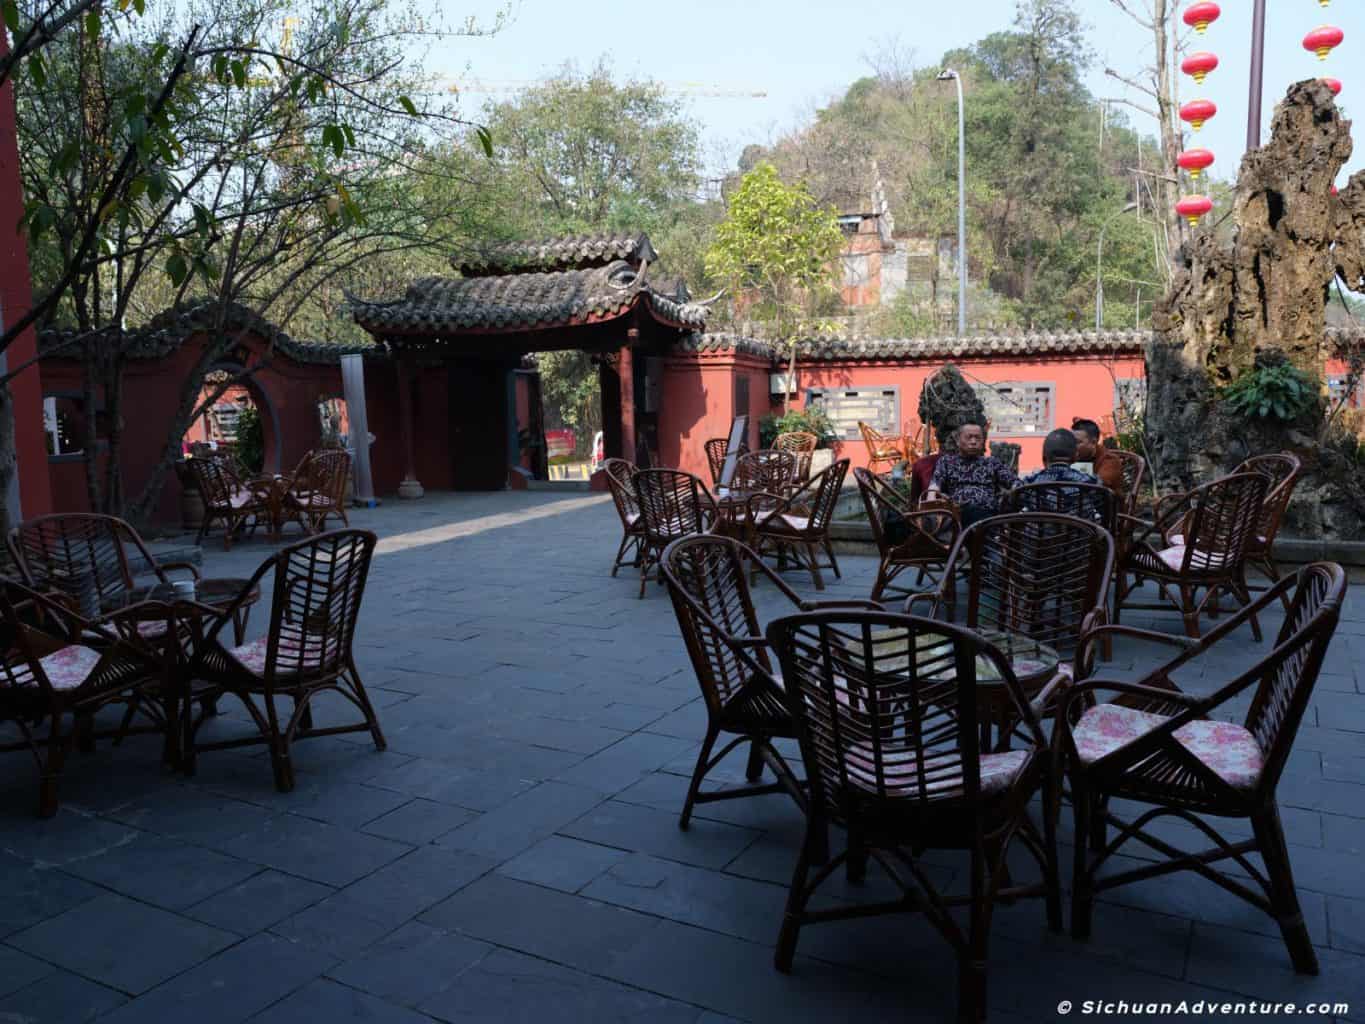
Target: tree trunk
[(9, 461), (1172, 139)]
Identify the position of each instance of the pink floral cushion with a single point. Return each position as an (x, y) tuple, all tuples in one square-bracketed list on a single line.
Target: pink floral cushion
[(251, 656), (943, 772), (632, 518), (69, 667), (241, 499), (795, 522), (1174, 557), (1229, 750)]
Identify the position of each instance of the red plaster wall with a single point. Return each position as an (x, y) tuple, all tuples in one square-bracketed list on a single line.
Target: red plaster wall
[(697, 404), (16, 299), (1084, 387)]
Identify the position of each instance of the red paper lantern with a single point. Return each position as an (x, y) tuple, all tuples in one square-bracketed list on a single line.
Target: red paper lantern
[(1194, 161), (1197, 112), (1334, 84), (1194, 207), (1323, 40), (1198, 65), (1334, 190), (1202, 15)]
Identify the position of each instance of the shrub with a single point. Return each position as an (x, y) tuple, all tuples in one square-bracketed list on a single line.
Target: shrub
[(810, 421), (1278, 392), (250, 439)]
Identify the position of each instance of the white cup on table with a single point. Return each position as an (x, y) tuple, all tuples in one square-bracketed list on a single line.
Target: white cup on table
[(184, 589)]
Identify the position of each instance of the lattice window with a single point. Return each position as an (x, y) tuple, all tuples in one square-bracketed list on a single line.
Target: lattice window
[(1018, 407), (1336, 388), (880, 408)]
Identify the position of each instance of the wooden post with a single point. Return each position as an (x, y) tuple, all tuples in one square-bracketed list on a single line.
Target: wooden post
[(411, 487), (625, 370)]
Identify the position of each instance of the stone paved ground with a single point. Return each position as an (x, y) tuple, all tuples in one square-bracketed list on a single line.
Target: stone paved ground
[(514, 856)]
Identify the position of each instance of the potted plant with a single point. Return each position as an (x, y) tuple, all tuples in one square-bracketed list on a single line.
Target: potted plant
[(809, 421)]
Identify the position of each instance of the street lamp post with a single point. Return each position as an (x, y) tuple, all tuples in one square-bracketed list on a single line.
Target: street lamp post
[(1099, 260), (948, 74), (1257, 75)]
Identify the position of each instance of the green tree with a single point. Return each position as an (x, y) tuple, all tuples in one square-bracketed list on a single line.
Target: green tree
[(776, 250)]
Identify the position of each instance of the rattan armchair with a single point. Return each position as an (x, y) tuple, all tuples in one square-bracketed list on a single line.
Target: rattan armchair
[(1158, 746), (317, 490), (64, 673), (673, 504), (767, 469), (882, 449), (906, 537), (890, 745), (1281, 472), (317, 586), (229, 499), (802, 444), (1134, 473), (1092, 502), (744, 699), (619, 481), (1197, 542), (716, 451), (798, 525), (84, 556)]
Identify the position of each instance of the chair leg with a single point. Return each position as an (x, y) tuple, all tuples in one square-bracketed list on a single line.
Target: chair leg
[(51, 769), (372, 719), (1242, 592), (815, 567), (753, 771), (971, 964), (1267, 566), (1189, 612), (279, 748), (796, 907), (698, 773), (1284, 898), (833, 562), (1082, 897), (620, 554), (1052, 795)]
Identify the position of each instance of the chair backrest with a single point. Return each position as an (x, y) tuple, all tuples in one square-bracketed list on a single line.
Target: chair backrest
[(1290, 671), (800, 443), (1034, 573), (766, 470), (79, 554), (882, 501), (1134, 471), (216, 480), (322, 477), (821, 494), (885, 708), (673, 504), (1221, 523), (619, 473), (1093, 502), (316, 601), (1281, 472), (716, 450), (928, 531), (710, 592), (878, 444)]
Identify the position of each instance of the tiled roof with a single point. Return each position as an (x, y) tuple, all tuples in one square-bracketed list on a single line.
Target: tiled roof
[(437, 306), (579, 252), (168, 330), (859, 349)]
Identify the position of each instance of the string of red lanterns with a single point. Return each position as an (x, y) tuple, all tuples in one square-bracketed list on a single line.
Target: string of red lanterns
[(1196, 112), (1322, 41)]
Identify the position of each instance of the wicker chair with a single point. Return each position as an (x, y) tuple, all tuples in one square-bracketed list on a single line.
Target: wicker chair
[(84, 556), (1134, 473), (228, 499), (882, 449), (317, 587), (317, 490), (1042, 575), (1198, 541), (1158, 746), (673, 504), (716, 450), (73, 667), (802, 444), (768, 470), (906, 538), (799, 525), (1092, 502), (619, 473), (1282, 476), (892, 755), (744, 700)]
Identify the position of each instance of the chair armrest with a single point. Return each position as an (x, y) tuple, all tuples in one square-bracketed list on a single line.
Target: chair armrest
[(1055, 687), (851, 602), (1095, 632), (1157, 695), (193, 569), (928, 595)]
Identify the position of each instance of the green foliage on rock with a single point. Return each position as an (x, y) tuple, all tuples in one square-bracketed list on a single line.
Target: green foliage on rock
[(1279, 392)]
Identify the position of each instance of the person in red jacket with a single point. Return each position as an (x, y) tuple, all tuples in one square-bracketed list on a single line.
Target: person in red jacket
[(1106, 467)]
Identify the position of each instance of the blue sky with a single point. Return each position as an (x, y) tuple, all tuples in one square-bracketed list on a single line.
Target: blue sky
[(803, 52)]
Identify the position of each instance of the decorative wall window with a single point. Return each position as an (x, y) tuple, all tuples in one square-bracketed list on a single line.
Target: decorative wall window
[(64, 424), (1017, 408), (879, 408)]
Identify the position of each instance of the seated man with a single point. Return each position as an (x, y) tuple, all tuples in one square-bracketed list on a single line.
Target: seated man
[(1104, 464), (1059, 452), (970, 478)]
